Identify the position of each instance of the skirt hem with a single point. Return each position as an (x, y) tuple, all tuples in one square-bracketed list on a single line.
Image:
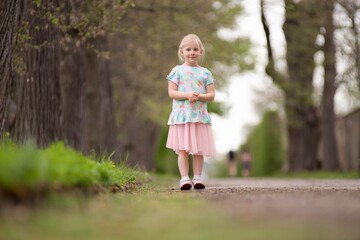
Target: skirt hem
[(193, 138)]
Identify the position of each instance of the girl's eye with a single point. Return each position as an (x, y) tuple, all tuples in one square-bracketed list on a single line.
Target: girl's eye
[(189, 49)]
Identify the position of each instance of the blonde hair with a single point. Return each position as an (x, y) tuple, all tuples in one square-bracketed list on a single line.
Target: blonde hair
[(189, 38)]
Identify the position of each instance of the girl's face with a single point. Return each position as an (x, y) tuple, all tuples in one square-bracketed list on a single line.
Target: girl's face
[(191, 53)]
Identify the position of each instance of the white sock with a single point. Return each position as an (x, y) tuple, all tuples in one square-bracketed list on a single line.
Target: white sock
[(184, 178), (197, 176)]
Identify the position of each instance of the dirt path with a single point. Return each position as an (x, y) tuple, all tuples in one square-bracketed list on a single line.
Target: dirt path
[(323, 203)]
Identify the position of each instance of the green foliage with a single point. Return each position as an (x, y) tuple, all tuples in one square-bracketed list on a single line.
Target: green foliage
[(217, 108), (27, 167), (219, 169), (37, 2), (165, 159), (267, 145), (144, 47)]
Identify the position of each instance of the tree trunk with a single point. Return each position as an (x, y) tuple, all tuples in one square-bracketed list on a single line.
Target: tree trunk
[(9, 15), (356, 32), (72, 81), (88, 118), (330, 155), (300, 29), (87, 98), (37, 92), (98, 119)]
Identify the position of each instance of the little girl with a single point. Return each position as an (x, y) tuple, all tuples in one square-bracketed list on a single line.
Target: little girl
[(191, 87)]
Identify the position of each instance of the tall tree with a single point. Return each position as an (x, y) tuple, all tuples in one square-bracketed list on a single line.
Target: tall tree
[(301, 27), (142, 53), (330, 155), (88, 113), (36, 90), (9, 15), (348, 37)]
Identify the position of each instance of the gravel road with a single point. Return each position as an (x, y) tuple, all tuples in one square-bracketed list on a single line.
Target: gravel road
[(320, 203)]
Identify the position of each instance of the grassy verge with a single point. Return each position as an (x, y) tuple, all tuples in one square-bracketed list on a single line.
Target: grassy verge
[(27, 169)]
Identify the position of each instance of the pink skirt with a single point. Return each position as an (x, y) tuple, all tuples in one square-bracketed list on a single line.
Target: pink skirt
[(194, 138)]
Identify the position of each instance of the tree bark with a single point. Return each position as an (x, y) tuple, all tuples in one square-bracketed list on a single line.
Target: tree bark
[(330, 154), (88, 118), (301, 28), (72, 81), (98, 119), (9, 15), (36, 92)]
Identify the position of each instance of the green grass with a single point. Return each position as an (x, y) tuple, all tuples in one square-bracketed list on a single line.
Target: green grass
[(28, 168)]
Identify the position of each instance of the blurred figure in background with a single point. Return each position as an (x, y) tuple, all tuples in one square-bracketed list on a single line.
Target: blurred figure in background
[(245, 163), (232, 166)]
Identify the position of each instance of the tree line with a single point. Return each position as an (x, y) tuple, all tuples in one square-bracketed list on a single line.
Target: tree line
[(92, 73), (310, 122)]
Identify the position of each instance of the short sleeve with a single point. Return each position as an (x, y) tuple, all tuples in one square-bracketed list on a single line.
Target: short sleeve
[(174, 76), (209, 79)]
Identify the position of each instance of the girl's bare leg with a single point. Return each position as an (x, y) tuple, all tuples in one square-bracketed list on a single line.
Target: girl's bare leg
[(183, 163), (198, 167), (198, 163)]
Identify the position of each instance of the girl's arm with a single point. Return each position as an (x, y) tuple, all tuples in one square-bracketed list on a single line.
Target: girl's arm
[(209, 95), (175, 94)]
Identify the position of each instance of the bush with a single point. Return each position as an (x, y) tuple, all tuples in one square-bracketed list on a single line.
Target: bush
[(266, 143)]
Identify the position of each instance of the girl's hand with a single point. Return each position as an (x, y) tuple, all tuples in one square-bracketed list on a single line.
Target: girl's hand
[(193, 97)]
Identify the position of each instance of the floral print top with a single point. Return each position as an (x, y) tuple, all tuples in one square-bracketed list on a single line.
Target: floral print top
[(189, 79)]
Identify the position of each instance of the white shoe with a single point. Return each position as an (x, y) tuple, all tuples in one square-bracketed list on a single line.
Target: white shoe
[(198, 183), (185, 184)]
